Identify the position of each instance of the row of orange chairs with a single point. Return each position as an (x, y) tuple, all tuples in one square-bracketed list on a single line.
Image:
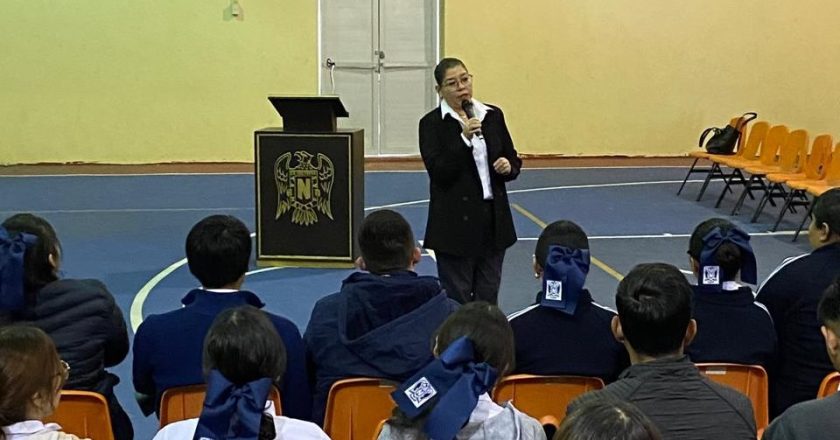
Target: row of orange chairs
[(773, 157), (358, 408)]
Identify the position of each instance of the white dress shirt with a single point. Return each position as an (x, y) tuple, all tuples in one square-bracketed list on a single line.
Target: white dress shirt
[(479, 147)]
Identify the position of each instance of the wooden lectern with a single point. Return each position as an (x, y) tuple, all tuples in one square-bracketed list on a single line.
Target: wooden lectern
[(309, 185)]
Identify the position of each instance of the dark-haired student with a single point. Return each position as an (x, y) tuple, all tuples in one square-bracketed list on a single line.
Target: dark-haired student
[(80, 316), (243, 357), (816, 419), (469, 159), (654, 323), (607, 419), (566, 331), (167, 347), (381, 321), (731, 325), (791, 294), (449, 398)]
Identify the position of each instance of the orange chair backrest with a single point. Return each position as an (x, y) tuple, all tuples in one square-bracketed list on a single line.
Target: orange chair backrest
[(793, 152), (770, 147), (832, 172), (356, 408), (84, 414), (750, 380), (757, 134), (182, 403), (829, 385), (542, 396), (817, 162)]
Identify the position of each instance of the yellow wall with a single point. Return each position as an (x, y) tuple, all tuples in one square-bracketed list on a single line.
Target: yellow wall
[(126, 81), (644, 77), (122, 81)]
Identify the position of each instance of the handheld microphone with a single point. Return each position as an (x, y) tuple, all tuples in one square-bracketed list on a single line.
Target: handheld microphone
[(467, 105)]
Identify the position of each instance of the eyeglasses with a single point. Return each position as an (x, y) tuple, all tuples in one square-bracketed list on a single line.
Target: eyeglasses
[(454, 83)]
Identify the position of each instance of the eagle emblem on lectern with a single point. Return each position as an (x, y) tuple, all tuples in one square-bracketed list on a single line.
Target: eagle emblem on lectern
[(305, 187)]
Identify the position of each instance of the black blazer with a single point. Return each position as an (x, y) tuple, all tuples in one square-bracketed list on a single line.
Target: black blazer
[(460, 222)]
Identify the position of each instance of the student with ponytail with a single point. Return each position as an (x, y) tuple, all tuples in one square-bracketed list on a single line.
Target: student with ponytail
[(731, 325), (449, 398), (243, 358)]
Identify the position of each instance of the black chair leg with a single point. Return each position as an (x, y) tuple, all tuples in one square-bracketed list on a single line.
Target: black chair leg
[(807, 216), (690, 170), (786, 205), (743, 197)]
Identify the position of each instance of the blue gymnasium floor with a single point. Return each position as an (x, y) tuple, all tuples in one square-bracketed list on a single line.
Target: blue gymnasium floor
[(129, 230)]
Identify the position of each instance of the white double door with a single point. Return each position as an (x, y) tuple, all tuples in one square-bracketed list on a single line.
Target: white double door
[(378, 56)]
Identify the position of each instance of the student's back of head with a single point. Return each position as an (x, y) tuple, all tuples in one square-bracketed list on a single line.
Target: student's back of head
[(487, 328), (654, 309), (825, 219), (41, 259), (728, 255), (243, 347), (31, 375), (387, 243), (607, 419), (218, 249), (560, 233)]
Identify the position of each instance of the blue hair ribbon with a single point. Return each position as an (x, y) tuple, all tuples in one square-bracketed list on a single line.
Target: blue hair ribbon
[(12, 251), (457, 382), (564, 274), (710, 273), (232, 412)]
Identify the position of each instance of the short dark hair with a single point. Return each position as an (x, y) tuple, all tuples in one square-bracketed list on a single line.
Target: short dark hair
[(29, 364), (829, 306), (386, 242), (38, 272), (827, 210), (728, 255), (654, 303), (489, 330), (560, 233), (444, 65), (608, 419), (218, 249), (244, 346)]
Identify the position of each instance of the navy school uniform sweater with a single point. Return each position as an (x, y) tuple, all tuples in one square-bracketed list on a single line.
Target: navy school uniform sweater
[(732, 327), (791, 294), (168, 349), (376, 326), (550, 342)]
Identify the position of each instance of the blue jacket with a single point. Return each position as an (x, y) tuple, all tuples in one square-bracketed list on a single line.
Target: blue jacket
[(376, 326), (550, 342), (168, 348), (732, 327), (791, 294)]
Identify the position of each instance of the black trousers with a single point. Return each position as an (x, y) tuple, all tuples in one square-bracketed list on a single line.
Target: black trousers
[(120, 422), (471, 278)]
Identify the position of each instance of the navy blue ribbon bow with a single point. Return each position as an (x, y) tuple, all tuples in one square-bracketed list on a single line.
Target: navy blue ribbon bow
[(456, 381), (710, 273), (232, 412), (12, 251), (564, 274)]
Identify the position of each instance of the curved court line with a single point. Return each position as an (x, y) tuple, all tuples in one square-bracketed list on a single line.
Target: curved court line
[(600, 264), (136, 312)]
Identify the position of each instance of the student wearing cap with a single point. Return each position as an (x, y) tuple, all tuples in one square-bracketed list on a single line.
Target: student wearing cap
[(549, 334), (731, 325), (449, 398)]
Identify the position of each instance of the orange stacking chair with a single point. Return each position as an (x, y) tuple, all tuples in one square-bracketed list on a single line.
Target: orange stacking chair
[(814, 169), (357, 407), (713, 171), (84, 414), (792, 156), (182, 403), (830, 180), (544, 398), (757, 135), (829, 385), (751, 380), (768, 155)]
